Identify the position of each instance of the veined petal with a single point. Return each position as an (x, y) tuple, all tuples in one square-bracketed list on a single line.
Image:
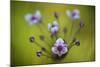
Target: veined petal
[(64, 50), (54, 50), (60, 41)]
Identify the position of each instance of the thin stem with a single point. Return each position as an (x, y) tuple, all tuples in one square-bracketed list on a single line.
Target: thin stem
[(40, 28), (70, 45), (43, 30), (56, 35), (65, 32), (78, 30), (71, 29), (70, 34), (49, 56), (49, 45), (41, 47)]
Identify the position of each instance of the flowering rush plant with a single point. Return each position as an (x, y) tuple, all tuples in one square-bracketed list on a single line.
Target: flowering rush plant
[(60, 46)]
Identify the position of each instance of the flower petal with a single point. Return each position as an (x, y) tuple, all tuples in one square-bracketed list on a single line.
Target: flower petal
[(64, 50), (76, 17), (60, 54), (76, 11), (37, 14), (54, 29), (27, 17), (60, 41), (54, 50), (49, 26)]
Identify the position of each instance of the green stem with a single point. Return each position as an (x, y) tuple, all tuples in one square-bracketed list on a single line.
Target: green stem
[(70, 45), (71, 29), (70, 34), (78, 30), (49, 56), (41, 47), (49, 45), (43, 30)]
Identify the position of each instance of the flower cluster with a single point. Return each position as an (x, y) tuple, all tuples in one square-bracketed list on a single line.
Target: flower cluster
[(60, 46)]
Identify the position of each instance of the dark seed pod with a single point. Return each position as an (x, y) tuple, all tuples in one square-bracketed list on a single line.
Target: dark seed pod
[(43, 49), (31, 39), (39, 53), (77, 43), (74, 39), (56, 15), (42, 37), (81, 24)]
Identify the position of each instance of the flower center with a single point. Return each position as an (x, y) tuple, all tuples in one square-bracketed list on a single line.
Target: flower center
[(59, 48), (33, 18), (53, 25), (73, 14)]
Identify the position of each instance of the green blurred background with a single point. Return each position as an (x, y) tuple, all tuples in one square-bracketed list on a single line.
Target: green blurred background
[(24, 53)]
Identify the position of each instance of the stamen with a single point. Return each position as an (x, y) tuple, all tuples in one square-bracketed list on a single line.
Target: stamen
[(59, 48), (33, 18), (73, 14)]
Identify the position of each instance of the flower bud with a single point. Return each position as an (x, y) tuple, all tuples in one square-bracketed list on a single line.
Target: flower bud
[(39, 53), (31, 39), (81, 24), (56, 15), (77, 43)]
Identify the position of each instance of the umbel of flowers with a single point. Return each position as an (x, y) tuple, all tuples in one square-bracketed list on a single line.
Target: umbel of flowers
[(60, 48)]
